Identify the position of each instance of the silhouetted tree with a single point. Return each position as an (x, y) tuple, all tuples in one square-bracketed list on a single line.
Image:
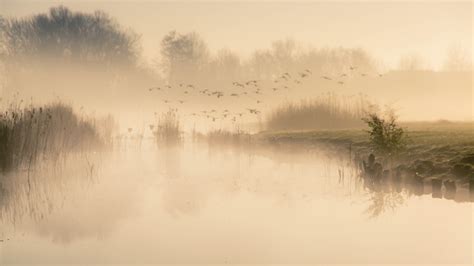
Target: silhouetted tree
[(62, 35), (285, 55), (262, 63), (183, 55)]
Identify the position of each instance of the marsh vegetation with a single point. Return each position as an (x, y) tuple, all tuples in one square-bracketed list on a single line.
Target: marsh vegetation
[(322, 113), (168, 129), (47, 132)]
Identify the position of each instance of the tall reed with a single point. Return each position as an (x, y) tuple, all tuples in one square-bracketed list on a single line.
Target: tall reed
[(168, 128), (328, 111), (30, 133)]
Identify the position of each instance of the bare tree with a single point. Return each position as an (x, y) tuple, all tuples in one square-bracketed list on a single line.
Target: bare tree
[(411, 62), (285, 55), (224, 66), (457, 59), (262, 64)]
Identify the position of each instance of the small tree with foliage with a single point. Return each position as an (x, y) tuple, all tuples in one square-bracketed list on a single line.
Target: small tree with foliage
[(385, 135)]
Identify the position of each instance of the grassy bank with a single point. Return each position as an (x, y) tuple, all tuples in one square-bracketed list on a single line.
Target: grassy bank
[(442, 150)]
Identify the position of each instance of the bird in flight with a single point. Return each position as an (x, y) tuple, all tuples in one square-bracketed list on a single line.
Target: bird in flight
[(154, 88), (253, 111)]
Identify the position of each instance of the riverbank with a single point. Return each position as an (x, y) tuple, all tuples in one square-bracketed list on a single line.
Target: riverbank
[(439, 150)]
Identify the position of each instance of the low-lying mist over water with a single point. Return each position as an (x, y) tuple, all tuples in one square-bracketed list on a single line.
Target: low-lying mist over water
[(147, 132)]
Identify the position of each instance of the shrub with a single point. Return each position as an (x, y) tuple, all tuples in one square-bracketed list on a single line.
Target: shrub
[(385, 136)]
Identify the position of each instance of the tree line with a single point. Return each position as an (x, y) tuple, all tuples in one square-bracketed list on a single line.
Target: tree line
[(96, 39)]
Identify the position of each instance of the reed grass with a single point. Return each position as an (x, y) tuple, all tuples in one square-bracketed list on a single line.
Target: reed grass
[(30, 133), (325, 112), (168, 128), (227, 137)]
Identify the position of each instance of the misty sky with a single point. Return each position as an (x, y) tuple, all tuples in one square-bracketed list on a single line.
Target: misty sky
[(386, 29)]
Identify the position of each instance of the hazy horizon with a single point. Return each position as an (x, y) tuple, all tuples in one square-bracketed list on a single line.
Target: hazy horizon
[(236, 132), (388, 30)]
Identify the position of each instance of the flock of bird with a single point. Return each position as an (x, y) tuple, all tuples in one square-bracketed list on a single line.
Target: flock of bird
[(251, 89)]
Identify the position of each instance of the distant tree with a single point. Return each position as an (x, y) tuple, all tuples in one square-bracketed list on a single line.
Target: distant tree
[(285, 54), (227, 60), (457, 59), (359, 58), (411, 62), (224, 66), (183, 55), (262, 64), (62, 34)]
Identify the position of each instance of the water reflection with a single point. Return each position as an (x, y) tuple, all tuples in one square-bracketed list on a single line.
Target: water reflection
[(35, 194), (201, 204), (408, 184)]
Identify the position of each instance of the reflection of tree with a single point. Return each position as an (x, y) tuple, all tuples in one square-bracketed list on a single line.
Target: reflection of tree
[(179, 194), (383, 202)]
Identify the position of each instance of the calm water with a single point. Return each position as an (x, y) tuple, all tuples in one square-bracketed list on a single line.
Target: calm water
[(196, 205)]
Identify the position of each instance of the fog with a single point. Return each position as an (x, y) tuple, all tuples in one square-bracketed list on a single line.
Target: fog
[(245, 33), (236, 132)]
